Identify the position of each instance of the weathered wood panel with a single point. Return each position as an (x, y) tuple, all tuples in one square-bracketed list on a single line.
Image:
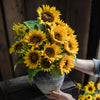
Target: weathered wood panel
[(94, 34), (60, 5), (5, 65), (31, 7), (14, 13)]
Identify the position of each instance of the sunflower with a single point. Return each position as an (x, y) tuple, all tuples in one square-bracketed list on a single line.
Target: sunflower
[(48, 15), (52, 51), (90, 88), (79, 85), (97, 97), (71, 46), (46, 65), (17, 47), (91, 83), (19, 29), (98, 86), (35, 37), (32, 59), (58, 33), (65, 64), (88, 97), (81, 97)]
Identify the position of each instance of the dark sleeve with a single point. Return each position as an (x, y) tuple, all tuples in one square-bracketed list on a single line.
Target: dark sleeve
[(96, 67)]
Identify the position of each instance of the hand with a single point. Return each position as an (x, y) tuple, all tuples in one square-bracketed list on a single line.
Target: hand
[(59, 95)]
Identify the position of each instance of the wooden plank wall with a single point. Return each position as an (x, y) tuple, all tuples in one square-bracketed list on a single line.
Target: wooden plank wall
[(5, 65), (94, 34), (76, 13), (13, 13), (93, 50)]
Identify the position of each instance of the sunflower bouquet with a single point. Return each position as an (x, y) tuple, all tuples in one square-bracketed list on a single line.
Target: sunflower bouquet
[(89, 91), (46, 44)]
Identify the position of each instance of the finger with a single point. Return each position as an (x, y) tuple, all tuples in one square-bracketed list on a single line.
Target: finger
[(55, 93), (59, 91), (62, 93), (50, 96)]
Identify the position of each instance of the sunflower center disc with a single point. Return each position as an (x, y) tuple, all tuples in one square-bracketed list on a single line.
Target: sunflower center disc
[(50, 52), (18, 46), (47, 16), (34, 57), (58, 36)]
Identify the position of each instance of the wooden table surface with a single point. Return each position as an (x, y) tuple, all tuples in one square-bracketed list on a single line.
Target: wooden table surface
[(20, 89)]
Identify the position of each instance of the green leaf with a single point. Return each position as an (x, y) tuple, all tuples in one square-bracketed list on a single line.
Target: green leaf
[(55, 72), (85, 93), (20, 52), (63, 53), (75, 59), (33, 24), (32, 73), (19, 60), (60, 45)]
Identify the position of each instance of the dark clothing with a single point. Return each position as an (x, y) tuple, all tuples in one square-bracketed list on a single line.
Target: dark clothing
[(97, 67)]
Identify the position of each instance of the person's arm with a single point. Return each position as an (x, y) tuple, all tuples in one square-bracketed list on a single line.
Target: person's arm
[(85, 66), (59, 95)]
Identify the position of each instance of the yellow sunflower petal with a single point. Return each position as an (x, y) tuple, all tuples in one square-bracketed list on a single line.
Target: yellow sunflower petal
[(79, 85), (69, 30), (91, 82), (97, 97), (88, 97), (98, 86)]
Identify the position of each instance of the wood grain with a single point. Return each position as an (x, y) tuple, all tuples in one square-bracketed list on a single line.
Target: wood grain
[(5, 65), (14, 13)]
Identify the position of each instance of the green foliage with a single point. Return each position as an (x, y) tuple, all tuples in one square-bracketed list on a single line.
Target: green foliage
[(19, 60), (63, 53), (33, 24), (55, 72), (75, 58), (32, 73)]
